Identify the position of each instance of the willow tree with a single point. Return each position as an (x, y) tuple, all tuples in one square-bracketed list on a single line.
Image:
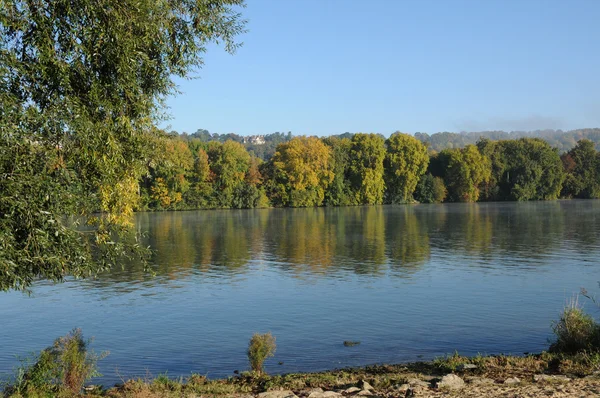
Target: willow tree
[(406, 161), (81, 86)]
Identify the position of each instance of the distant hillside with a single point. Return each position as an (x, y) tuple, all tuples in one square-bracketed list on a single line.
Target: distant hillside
[(563, 140), (264, 145)]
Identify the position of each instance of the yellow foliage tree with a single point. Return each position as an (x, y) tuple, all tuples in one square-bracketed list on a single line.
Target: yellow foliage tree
[(303, 168)]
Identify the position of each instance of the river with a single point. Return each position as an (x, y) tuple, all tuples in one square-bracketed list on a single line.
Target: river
[(409, 282)]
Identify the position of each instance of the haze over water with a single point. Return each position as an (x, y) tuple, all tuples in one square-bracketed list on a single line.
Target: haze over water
[(408, 282)]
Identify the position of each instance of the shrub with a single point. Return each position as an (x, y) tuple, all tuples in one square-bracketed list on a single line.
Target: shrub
[(261, 347), (66, 366), (430, 189), (575, 331)]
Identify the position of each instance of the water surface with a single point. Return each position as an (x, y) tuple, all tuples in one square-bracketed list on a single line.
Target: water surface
[(408, 282)]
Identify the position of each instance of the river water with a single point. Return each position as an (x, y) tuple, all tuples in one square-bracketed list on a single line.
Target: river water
[(409, 282)]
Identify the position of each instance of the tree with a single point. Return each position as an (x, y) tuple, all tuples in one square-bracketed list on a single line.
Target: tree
[(201, 190), (405, 162), (367, 152), (81, 85), (582, 168), (467, 170), (229, 162), (430, 189), (301, 172), (339, 191), (532, 170), (172, 163)]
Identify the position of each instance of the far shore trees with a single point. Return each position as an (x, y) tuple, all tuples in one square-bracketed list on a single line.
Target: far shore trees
[(405, 162), (301, 171), (367, 152)]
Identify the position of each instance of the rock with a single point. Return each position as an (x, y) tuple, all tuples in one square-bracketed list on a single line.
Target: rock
[(324, 394), (349, 343), (365, 385), (277, 394), (551, 378), (414, 382), (465, 366), (364, 393), (451, 381), (318, 389), (512, 380), (480, 381), (351, 390), (403, 387)]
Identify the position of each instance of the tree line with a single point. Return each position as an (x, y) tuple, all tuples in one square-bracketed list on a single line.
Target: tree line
[(362, 169), (562, 140)]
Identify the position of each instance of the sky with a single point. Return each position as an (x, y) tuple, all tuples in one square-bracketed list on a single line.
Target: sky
[(322, 67)]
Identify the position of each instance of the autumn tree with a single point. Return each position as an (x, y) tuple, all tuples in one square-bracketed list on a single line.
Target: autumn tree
[(367, 152), (406, 161), (201, 179), (229, 162), (467, 170), (339, 192), (81, 86), (301, 171)]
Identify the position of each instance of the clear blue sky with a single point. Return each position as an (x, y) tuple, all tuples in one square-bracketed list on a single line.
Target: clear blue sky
[(322, 67)]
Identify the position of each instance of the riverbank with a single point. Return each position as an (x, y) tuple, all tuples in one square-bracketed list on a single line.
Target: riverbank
[(547, 375)]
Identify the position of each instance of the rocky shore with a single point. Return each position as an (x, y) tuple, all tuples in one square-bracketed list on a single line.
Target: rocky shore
[(452, 385), (542, 375)]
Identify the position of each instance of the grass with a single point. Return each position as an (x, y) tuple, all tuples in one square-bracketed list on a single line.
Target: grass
[(260, 347), (59, 370), (381, 377), (575, 331)]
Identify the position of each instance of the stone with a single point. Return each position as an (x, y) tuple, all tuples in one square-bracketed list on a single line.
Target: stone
[(277, 394), (551, 378), (351, 390), (451, 381), (466, 366), (403, 387), (512, 380), (365, 385), (414, 382), (364, 393), (480, 381), (325, 394)]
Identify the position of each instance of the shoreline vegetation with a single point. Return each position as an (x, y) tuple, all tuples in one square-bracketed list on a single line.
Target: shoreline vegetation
[(203, 171), (570, 367)]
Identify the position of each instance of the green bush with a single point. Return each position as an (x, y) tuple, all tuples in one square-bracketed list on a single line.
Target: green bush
[(575, 331), (63, 367), (430, 189), (261, 347)]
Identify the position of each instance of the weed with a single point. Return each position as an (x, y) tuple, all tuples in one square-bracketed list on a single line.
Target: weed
[(61, 368), (575, 331), (260, 347)]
